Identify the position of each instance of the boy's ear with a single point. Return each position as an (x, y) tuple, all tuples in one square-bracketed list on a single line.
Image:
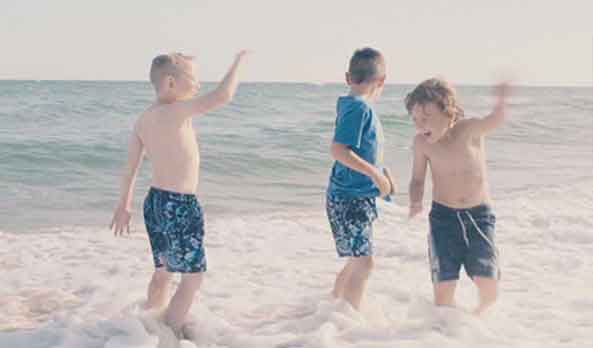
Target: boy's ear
[(382, 81), (348, 78)]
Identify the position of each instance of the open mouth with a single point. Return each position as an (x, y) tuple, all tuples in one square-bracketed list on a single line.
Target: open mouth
[(425, 132)]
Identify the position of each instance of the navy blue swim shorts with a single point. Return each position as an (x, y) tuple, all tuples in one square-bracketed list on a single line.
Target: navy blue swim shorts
[(462, 237)]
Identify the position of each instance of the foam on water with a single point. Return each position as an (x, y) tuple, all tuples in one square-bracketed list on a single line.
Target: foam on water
[(270, 276)]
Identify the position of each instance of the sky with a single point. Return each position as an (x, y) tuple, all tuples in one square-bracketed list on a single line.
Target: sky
[(467, 41)]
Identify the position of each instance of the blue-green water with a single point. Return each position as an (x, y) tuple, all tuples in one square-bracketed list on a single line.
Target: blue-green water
[(62, 146)]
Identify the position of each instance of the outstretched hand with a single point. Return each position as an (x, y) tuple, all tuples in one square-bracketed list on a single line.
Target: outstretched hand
[(503, 90), (242, 55), (121, 221)]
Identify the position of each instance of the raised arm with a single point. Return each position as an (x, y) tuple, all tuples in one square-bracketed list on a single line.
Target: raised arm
[(481, 126), (223, 93), (416, 189), (122, 214), (344, 154)]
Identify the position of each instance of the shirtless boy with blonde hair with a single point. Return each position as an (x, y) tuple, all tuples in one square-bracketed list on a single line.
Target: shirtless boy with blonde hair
[(172, 214), (461, 219)]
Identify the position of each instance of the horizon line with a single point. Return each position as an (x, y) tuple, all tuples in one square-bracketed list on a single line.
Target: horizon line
[(300, 82)]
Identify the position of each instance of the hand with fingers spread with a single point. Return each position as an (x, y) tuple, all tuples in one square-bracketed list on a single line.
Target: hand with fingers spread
[(242, 55), (503, 91), (121, 221)]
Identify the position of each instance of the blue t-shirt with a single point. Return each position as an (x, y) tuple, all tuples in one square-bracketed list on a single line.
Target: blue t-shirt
[(358, 127)]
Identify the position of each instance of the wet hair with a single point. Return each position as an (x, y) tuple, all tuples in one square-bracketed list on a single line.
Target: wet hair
[(439, 92), (163, 65), (365, 65)]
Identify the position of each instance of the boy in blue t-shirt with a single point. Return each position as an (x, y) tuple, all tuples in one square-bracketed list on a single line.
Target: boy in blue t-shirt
[(357, 177)]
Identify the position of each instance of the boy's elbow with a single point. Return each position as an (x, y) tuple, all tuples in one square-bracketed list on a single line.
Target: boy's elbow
[(225, 96), (335, 150), (497, 118), (222, 96)]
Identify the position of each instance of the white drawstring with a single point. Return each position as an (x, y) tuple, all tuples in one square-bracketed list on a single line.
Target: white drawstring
[(482, 233), (463, 230)]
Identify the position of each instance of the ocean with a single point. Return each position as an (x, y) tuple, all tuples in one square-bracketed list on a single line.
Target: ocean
[(265, 165)]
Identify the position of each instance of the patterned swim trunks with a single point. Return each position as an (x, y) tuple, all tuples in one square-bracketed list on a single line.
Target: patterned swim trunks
[(351, 222), (175, 226)]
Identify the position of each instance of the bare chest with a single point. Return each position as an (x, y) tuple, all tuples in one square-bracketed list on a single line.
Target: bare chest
[(462, 157)]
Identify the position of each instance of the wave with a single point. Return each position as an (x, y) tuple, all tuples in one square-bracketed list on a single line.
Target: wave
[(270, 275)]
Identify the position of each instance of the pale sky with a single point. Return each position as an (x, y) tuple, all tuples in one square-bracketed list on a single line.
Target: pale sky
[(468, 41)]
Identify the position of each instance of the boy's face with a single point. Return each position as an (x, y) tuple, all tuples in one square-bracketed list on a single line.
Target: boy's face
[(180, 83), (379, 83), (430, 122), (185, 84)]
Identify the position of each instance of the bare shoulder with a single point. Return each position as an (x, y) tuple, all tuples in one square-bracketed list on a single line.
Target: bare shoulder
[(466, 129), (466, 126), (144, 119)]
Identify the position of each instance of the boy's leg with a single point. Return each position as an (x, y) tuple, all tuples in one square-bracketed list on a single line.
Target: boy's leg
[(355, 285), (444, 293), (159, 284), (487, 292), (351, 221), (446, 249), (342, 279), (185, 254), (182, 300), (158, 289), (482, 259)]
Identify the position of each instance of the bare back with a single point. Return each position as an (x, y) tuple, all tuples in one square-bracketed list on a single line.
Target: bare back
[(170, 144), (458, 168)]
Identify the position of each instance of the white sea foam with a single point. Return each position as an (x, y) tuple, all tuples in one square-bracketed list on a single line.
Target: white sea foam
[(270, 276)]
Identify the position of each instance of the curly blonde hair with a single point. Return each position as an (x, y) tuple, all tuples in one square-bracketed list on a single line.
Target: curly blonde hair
[(439, 92)]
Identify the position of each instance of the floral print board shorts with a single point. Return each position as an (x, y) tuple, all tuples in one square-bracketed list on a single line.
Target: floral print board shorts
[(351, 222), (175, 226)]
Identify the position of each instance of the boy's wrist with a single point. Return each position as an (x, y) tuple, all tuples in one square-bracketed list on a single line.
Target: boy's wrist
[(375, 172), (124, 206)]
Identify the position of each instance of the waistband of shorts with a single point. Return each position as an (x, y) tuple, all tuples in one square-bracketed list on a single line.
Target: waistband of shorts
[(183, 197), (478, 209)]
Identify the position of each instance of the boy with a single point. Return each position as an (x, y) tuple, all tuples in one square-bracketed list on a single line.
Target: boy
[(172, 214), (356, 178), (461, 218)]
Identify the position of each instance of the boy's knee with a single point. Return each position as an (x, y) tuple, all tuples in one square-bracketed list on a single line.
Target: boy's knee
[(365, 264), (491, 295), (161, 277), (488, 289), (191, 280)]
